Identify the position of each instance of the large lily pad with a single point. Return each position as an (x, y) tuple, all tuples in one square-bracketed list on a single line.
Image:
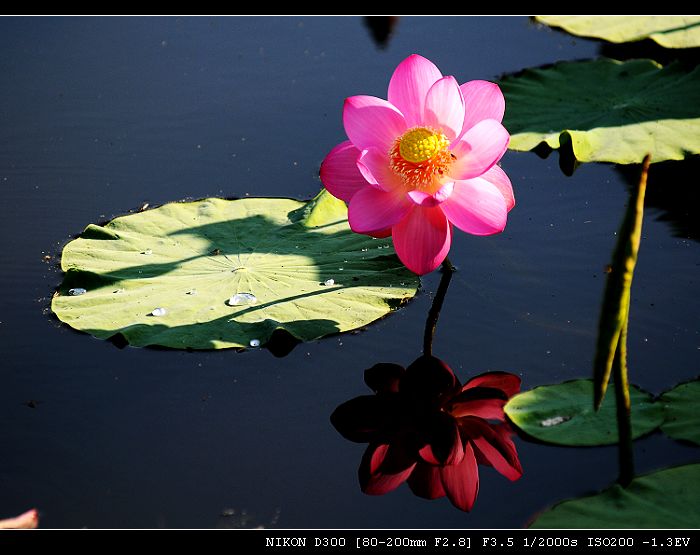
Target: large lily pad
[(606, 111), (663, 499), (563, 414), (295, 266), (669, 31), (681, 414)]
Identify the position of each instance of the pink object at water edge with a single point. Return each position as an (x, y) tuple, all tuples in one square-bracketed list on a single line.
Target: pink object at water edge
[(30, 519), (423, 161)]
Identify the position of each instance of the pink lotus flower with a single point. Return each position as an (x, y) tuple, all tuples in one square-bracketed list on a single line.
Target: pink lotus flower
[(423, 161), (426, 429)]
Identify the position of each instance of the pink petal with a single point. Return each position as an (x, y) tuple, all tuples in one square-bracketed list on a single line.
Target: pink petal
[(381, 234), (477, 207), (383, 470), (426, 453), (426, 199), (482, 100), (488, 409), (425, 481), (373, 165), (444, 107), (362, 418), (409, 86), (461, 481), (479, 149), (374, 210), (497, 177), (505, 381), (428, 378), (444, 444), (494, 446), (372, 122), (339, 173), (422, 239), (384, 377), (29, 519)]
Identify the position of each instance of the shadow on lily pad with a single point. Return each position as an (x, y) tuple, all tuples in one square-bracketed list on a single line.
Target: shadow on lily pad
[(215, 273), (604, 110)]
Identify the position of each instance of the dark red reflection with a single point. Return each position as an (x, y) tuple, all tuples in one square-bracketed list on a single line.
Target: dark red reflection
[(381, 28), (425, 428)]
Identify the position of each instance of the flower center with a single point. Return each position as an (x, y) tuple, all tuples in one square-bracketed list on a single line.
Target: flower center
[(421, 156), (420, 144)]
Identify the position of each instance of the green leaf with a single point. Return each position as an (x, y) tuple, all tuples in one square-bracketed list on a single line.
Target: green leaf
[(663, 499), (668, 31), (191, 258), (606, 111), (681, 415), (563, 414)]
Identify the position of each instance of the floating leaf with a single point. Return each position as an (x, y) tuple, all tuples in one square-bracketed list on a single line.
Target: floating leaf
[(663, 499), (681, 415), (668, 31), (606, 111), (563, 414), (217, 273)]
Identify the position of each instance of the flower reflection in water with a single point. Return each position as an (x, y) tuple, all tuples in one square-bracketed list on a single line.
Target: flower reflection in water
[(425, 428)]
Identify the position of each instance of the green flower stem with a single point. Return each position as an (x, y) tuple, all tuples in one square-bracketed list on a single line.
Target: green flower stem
[(447, 270)]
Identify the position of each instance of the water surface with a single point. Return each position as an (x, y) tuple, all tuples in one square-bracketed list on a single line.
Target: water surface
[(99, 115)]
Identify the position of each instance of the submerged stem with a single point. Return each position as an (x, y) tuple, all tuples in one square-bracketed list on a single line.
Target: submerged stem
[(619, 362), (434, 313), (623, 406), (613, 314)]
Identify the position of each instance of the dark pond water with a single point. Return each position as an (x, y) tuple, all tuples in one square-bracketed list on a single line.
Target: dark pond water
[(98, 116)]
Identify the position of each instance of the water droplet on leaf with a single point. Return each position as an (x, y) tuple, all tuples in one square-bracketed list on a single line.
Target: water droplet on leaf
[(242, 298), (77, 291), (554, 421)]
